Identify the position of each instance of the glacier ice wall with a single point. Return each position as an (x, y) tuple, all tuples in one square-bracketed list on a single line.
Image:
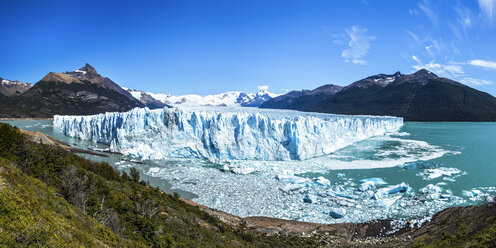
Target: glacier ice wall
[(220, 133)]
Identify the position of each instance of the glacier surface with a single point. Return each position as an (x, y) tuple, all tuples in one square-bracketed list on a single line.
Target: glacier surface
[(222, 133)]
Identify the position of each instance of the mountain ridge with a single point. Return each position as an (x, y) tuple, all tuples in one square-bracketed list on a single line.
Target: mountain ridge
[(420, 96), (82, 91)]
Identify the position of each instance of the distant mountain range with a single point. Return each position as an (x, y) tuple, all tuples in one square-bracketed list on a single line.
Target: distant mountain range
[(421, 96), (233, 98), (10, 88), (84, 91)]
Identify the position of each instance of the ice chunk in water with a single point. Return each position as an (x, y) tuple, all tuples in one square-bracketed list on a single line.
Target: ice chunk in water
[(371, 183), (433, 191), (308, 199), (430, 174), (375, 180), (387, 202), (382, 192), (322, 181), (236, 168), (337, 213), (341, 192), (471, 193), (289, 188)]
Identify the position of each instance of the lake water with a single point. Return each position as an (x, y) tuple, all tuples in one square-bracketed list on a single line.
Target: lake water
[(447, 164)]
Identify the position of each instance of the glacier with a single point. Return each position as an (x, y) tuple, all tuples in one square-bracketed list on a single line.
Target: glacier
[(225, 133)]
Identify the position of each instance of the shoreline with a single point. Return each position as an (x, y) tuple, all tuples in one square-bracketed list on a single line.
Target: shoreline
[(377, 233), (25, 119)]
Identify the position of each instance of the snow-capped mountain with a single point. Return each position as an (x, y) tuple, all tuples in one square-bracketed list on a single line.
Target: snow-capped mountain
[(233, 98), (13, 88)]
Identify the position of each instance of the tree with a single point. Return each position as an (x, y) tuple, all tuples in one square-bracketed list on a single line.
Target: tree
[(76, 189), (134, 173)]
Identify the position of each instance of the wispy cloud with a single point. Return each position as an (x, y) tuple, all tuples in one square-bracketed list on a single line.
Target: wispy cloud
[(451, 70), (426, 7), (455, 70), (464, 20), (431, 47), (414, 36), (483, 63), (358, 45), (488, 9), (416, 59), (474, 81)]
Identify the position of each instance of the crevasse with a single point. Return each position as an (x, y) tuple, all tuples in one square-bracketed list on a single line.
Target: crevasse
[(221, 133)]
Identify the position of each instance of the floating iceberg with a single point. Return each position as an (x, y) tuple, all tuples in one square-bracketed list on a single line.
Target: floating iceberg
[(222, 133), (337, 213), (321, 181), (472, 193), (382, 192), (375, 180), (308, 199), (236, 168), (290, 188), (339, 191), (430, 174), (433, 191), (371, 183)]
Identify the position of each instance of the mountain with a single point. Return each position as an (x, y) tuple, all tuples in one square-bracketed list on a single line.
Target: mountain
[(421, 96), (234, 98), (304, 99), (146, 99), (13, 88), (82, 91), (255, 100)]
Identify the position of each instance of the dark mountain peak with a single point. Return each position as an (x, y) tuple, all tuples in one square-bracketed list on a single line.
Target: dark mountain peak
[(86, 72), (381, 80), (424, 73), (327, 88), (88, 68), (422, 77)]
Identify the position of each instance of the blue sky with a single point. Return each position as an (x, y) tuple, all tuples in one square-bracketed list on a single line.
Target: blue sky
[(206, 47)]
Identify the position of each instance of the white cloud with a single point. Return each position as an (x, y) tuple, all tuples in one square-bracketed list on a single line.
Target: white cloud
[(263, 87), (416, 59), (425, 6), (464, 20), (455, 70), (450, 70), (358, 45), (483, 63), (488, 7), (474, 81), (414, 36)]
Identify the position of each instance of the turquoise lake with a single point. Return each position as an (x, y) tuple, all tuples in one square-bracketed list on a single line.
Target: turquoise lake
[(464, 152)]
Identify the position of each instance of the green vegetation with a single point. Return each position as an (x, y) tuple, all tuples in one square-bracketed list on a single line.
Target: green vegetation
[(51, 197), (478, 229)]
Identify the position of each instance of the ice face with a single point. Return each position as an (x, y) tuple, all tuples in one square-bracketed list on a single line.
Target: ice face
[(221, 133)]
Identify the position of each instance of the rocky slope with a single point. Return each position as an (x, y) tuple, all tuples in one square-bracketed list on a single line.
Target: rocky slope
[(82, 91), (421, 96)]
